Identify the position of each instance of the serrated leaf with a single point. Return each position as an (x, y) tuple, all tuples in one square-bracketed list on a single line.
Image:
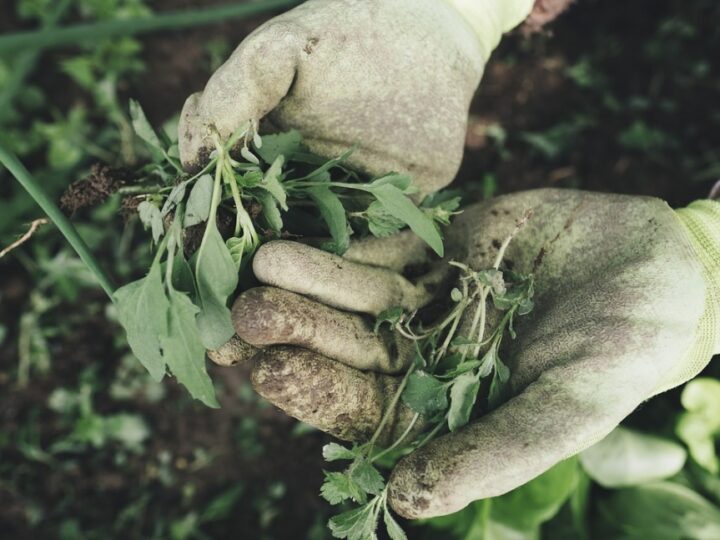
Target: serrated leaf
[(142, 126), (282, 144), (333, 213), (393, 528), (151, 218), (339, 487), (183, 350), (142, 310), (366, 476), (271, 182), (463, 394), (380, 222), (199, 201), (391, 316), (400, 206), (216, 276), (357, 524), (335, 451), (425, 394)]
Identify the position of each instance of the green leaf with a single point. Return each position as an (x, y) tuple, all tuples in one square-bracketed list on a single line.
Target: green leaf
[(174, 198), (539, 500), (391, 316), (366, 476), (498, 389), (700, 425), (238, 247), (394, 530), (198, 204), (217, 277), (182, 276), (283, 144), (441, 206), (463, 394), (222, 506), (425, 394), (142, 310), (271, 182), (142, 126), (183, 350), (151, 218), (400, 181), (660, 511), (271, 213), (400, 206), (339, 487), (380, 222), (625, 458), (357, 524), (333, 213), (335, 452)]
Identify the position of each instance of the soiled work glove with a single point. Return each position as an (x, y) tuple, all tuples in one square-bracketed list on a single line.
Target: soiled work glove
[(627, 305), (394, 77)]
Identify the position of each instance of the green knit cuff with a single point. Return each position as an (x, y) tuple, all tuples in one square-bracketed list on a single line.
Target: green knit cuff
[(490, 19), (702, 221)]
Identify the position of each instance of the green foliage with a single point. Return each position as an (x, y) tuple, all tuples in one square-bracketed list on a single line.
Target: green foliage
[(627, 458), (156, 315), (699, 427)]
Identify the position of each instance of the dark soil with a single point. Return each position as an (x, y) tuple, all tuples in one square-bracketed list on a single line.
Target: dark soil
[(525, 89)]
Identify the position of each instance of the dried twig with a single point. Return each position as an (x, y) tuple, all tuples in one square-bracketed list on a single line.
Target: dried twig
[(34, 226)]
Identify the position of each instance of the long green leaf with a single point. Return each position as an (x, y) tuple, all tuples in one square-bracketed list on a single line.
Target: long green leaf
[(400, 206), (183, 350), (217, 277), (332, 211), (21, 174), (143, 310), (34, 40)]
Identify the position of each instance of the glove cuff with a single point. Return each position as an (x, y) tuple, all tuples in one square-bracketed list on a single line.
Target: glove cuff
[(701, 221), (490, 19)]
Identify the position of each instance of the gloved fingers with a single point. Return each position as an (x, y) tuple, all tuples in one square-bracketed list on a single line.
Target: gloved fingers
[(338, 282), (566, 410), (267, 316), (403, 252), (233, 352), (244, 89), (335, 398)]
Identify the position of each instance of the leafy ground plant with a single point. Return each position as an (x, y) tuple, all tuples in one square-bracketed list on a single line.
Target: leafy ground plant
[(442, 386), (179, 309)]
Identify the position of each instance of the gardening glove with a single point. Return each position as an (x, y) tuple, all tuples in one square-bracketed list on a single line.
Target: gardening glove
[(627, 305), (393, 78)]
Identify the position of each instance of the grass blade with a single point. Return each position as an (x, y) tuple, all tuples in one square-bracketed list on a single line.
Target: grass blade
[(42, 39), (21, 174)]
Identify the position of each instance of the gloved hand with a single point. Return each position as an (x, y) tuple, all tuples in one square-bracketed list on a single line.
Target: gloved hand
[(627, 305), (394, 77)]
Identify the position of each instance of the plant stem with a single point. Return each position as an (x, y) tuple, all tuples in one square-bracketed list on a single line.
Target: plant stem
[(399, 440), (42, 39), (390, 408), (21, 174)]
